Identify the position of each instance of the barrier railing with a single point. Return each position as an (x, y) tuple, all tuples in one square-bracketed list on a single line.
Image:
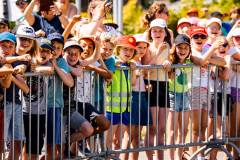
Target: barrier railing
[(142, 109)]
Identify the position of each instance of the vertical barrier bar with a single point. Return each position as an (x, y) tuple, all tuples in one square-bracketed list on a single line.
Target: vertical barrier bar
[(54, 116)]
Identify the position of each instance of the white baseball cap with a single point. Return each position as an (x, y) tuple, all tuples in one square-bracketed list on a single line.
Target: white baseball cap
[(26, 31), (140, 38), (158, 23), (214, 20), (236, 32), (183, 20)]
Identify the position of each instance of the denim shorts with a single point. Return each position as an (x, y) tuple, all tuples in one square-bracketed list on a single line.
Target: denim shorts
[(140, 110), (118, 118), (16, 121), (182, 101)]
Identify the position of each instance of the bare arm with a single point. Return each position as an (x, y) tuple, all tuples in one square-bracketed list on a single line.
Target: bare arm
[(20, 83), (44, 70), (6, 82), (28, 13), (66, 77), (69, 27), (101, 71)]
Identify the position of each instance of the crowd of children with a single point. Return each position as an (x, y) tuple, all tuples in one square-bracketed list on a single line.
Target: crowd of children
[(64, 80)]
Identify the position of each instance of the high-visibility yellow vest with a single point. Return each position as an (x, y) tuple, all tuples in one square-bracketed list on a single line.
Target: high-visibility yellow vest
[(118, 93)]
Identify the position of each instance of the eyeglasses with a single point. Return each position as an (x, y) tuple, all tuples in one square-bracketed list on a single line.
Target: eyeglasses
[(202, 36), (20, 3)]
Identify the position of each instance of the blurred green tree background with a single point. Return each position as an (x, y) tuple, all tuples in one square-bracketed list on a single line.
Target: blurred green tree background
[(134, 12)]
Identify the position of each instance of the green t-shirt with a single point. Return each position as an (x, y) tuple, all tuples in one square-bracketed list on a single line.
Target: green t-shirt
[(181, 79)]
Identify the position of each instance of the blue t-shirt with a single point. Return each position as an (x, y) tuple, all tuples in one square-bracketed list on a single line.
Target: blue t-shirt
[(59, 103), (47, 26), (13, 89), (99, 90)]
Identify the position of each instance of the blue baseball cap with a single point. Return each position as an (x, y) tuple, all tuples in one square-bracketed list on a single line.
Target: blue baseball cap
[(56, 37), (7, 36), (46, 43)]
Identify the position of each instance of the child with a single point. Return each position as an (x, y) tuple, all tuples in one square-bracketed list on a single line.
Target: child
[(179, 93), (35, 113), (140, 114), (159, 97), (118, 93), (79, 127), (55, 101), (26, 44), (4, 25)]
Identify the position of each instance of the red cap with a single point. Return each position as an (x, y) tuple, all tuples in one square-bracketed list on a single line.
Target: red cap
[(127, 41), (197, 30)]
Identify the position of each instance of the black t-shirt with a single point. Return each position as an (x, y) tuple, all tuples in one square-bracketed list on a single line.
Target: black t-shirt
[(72, 94), (47, 26), (11, 90)]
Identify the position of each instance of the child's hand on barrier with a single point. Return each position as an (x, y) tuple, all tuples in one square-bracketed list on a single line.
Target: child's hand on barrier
[(25, 57), (167, 65)]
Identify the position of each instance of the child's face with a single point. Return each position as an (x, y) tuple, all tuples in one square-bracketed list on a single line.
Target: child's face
[(222, 50), (58, 48), (88, 48), (7, 48), (126, 53), (73, 55), (236, 40), (182, 51), (106, 50), (198, 40), (214, 30), (3, 28), (157, 33), (24, 44), (141, 49), (45, 53)]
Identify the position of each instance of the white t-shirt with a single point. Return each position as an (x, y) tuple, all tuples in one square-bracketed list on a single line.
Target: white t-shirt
[(139, 86), (235, 79), (200, 75), (84, 86)]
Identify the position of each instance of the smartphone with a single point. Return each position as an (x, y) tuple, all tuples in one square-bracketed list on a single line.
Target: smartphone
[(45, 5)]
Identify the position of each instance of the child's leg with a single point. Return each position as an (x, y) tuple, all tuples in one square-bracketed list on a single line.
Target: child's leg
[(183, 129), (135, 136), (125, 141), (110, 135), (162, 114), (152, 132), (173, 119)]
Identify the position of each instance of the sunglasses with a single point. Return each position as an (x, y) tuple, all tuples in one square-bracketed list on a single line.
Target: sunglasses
[(202, 36), (225, 45), (20, 3)]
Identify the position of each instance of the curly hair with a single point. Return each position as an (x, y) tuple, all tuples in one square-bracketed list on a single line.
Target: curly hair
[(156, 7)]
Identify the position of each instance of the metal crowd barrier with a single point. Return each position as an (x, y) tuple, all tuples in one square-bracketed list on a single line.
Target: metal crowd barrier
[(96, 146)]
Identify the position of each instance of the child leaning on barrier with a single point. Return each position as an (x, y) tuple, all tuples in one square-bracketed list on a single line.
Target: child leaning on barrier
[(179, 93), (220, 75), (79, 127), (34, 103), (140, 112), (157, 78), (26, 44), (55, 101), (235, 87), (7, 45), (118, 94)]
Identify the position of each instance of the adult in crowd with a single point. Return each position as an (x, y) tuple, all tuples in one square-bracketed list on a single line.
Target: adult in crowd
[(159, 10), (4, 25), (51, 20), (67, 8)]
